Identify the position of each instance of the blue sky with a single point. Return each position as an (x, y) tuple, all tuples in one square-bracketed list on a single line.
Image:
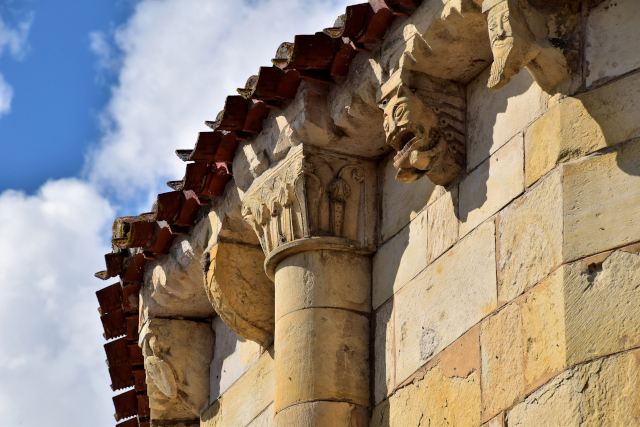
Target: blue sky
[(95, 96)]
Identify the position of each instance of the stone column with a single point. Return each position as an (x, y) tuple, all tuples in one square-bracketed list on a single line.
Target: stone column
[(315, 217), (323, 302)]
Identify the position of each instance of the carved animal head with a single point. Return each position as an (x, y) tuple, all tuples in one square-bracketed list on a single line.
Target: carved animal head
[(424, 121)]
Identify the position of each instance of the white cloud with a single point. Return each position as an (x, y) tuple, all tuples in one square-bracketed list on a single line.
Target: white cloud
[(52, 366), (178, 59), (13, 40), (181, 58)]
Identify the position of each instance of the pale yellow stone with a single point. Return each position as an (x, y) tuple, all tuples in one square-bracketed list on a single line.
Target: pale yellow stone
[(492, 185), (323, 414), (602, 304), (601, 199), (401, 202), (445, 300), (265, 419), (544, 330), (384, 352), (443, 224), (245, 400), (602, 393), (322, 354), (435, 401), (323, 278), (612, 40), (502, 361), (400, 259), (581, 125), (497, 421), (530, 238), (496, 116)]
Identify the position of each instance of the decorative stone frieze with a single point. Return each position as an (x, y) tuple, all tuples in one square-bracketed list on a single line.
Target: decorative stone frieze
[(424, 121), (314, 193), (520, 38), (177, 354)]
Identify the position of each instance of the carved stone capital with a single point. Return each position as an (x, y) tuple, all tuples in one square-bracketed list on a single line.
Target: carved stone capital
[(424, 121), (313, 193), (520, 38), (177, 355)]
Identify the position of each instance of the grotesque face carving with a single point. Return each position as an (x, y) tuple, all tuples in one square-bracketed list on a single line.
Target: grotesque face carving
[(425, 127)]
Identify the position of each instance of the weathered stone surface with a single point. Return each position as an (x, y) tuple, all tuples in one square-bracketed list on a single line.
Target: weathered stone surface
[(543, 326), (602, 304), (578, 126), (502, 363), (177, 354), (401, 202), (442, 218), (245, 400), (445, 300), (265, 419), (497, 421), (492, 185), (173, 284), (384, 353), (323, 278), (495, 117), (232, 356), (240, 291), (323, 414), (437, 400), (612, 36), (400, 259), (325, 352), (601, 393), (601, 198), (529, 238)]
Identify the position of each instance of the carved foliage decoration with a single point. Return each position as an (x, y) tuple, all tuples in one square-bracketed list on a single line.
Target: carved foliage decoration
[(425, 122), (177, 355), (313, 194)]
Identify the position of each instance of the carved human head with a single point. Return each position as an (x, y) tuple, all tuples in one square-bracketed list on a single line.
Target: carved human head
[(512, 42), (424, 121)]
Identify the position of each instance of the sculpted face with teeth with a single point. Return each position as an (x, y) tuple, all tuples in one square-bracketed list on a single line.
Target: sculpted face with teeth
[(418, 125)]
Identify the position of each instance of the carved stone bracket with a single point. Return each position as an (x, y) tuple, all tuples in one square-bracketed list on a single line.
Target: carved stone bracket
[(313, 193), (425, 122), (177, 355)]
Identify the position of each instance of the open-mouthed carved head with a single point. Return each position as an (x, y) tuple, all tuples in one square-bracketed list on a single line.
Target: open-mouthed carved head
[(424, 121)]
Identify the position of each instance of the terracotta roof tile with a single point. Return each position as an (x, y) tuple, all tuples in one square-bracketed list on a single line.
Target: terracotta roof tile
[(126, 405)]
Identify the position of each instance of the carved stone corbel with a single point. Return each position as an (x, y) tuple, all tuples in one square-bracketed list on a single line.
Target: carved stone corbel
[(424, 121), (520, 38), (177, 355)]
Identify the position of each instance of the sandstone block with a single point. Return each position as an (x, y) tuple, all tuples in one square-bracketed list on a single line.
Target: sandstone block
[(543, 325), (323, 278), (602, 304), (401, 201), (400, 259), (324, 354), (323, 414), (445, 300), (384, 352), (437, 400), (245, 400), (601, 393), (612, 40), (529, 238), (497, 421), (232, 357), (496, 182), (442, 218), (265, 419), (495, 117), (578, 126), (601, 198), (502, 362)]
